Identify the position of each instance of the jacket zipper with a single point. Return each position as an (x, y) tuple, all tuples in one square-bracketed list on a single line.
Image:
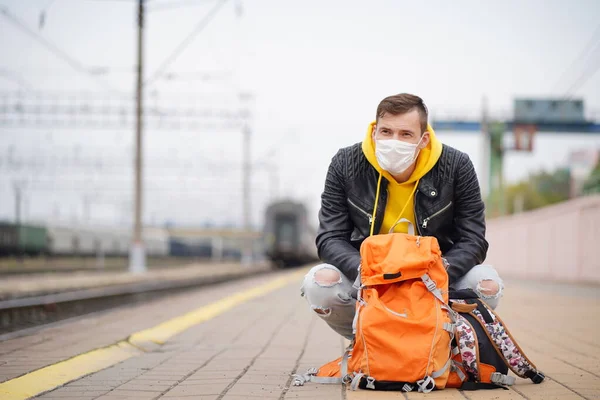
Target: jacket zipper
[(415, 208), (362, 211), (426, 220)]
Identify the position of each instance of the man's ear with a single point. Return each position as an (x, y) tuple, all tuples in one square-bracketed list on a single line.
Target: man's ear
[(374, 131), (424, 140)]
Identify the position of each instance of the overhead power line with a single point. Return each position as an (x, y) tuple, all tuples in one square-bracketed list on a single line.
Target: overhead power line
[(581, 57), (115, 1), (186, 42), (71, 61), (72, 111), (586, 74)]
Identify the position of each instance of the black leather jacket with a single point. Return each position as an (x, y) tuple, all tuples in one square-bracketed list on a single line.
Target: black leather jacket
[(448, 205)]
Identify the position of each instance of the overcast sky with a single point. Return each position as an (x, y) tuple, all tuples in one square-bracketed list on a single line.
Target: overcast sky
[(316, 70)]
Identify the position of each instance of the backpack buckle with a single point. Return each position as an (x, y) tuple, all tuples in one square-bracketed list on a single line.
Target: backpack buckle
[(429, 283), (535, 376), (370, 382), (501, 379), (426, 384)]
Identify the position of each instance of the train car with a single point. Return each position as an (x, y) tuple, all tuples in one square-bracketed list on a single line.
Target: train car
[(156, 241), (69, 241), (110, 242), (33, 240), (9, 239), (190, 247), (30, 240), (289, 237), (86, 241), (119, 242)]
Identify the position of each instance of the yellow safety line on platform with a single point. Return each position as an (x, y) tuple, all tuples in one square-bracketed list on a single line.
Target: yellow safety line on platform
[(56, 375)]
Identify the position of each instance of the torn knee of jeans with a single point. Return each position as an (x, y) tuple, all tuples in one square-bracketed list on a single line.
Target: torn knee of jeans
[(327, 277), (489, 289), (322, 310), (344, 296)]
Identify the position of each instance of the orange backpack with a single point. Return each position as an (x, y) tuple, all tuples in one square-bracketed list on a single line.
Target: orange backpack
[(406, 335), (403, 327)]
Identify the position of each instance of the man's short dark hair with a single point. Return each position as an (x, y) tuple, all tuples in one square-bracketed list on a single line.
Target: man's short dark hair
[(401, 104)]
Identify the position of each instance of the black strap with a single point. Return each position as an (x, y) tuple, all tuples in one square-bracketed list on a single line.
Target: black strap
[(482, 309), (535, 376), (390, 386), (462, 294), (481, 385)]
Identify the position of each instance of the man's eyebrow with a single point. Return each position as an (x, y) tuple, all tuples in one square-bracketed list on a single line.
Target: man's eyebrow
[(403, 130)]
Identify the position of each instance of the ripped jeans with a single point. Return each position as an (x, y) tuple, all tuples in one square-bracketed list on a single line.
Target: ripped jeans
[(335, 302)]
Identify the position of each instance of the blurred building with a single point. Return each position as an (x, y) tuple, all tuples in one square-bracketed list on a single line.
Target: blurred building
[(548, 111)]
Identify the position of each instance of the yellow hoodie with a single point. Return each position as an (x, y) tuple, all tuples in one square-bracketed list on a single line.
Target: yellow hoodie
[(400, 202)]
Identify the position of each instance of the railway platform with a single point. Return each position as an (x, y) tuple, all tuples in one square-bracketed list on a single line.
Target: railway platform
[(244, 339), (28, 285)]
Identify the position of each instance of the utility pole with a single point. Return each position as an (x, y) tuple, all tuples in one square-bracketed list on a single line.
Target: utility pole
[(246, 174), (18, 198), (137, 256), (274, 182), (496, 133), (485, 133), (86, 208)]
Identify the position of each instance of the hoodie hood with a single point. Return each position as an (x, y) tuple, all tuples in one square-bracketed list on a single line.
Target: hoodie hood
[(425, 160)]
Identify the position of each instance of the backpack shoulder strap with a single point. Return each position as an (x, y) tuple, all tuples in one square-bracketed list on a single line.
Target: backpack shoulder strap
[(466, 340), (504, 343), (480, 385)]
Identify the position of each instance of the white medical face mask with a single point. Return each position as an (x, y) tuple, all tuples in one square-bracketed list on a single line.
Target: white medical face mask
[(395, 156)]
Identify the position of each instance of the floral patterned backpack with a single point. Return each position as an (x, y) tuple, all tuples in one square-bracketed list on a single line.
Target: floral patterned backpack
[(483, 348)]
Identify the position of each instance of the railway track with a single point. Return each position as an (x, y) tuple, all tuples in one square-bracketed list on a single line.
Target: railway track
[(21, 315)]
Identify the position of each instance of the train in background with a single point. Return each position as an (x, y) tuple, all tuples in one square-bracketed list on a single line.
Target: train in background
[(22, 240), (289, 238), (89, 241), (58, 240)]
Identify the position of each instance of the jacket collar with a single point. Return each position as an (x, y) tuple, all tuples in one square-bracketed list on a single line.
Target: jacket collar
[(426, 186)]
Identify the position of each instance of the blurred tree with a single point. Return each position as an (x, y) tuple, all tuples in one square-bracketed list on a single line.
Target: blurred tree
[(554, 187), (539, 190), (592, 183)]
